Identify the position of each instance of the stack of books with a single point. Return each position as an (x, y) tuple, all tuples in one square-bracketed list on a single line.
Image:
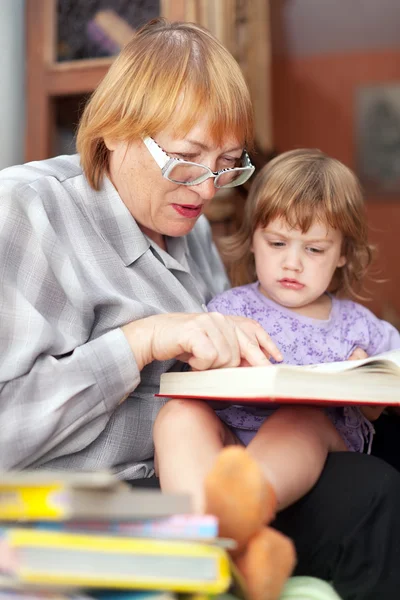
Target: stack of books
[(89, 536)]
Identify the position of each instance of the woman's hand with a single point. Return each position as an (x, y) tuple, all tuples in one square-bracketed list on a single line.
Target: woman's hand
[(204, 340)]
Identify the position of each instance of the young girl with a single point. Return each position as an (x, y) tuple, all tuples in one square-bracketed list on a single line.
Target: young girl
[(303, 242)]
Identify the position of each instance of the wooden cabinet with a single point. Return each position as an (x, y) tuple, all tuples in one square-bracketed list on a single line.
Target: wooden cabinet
[(47, 80), (242, 26)]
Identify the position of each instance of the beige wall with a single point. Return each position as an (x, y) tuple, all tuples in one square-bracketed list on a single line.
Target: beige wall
[(314, 106)]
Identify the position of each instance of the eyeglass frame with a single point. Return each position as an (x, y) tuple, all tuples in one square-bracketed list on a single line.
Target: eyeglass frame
[(167, 163)]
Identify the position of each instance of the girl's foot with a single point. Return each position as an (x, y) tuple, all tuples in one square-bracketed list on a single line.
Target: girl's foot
[(237, 492), (266, 564)]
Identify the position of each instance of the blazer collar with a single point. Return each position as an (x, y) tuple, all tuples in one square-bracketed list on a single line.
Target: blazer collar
[(115, 224)]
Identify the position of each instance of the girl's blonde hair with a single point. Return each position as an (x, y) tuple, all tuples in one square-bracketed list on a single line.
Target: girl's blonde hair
[(168, 75), (302, 186)]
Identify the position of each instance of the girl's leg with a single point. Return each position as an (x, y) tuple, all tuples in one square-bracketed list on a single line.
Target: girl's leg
[(189, 440), (237, 492), (188, 437), (347, 528), (291, 448)]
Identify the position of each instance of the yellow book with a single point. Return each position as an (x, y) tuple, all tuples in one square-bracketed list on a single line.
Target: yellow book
[(56, 558), (56, 496)]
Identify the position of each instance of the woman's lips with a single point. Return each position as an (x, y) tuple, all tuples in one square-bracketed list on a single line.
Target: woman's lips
[(189, 211), (291, 284)]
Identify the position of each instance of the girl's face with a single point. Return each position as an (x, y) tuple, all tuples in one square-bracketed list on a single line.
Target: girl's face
[(294, 268), (160, 207)]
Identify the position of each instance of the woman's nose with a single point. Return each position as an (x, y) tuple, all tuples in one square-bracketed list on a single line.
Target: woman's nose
[(207, 189)]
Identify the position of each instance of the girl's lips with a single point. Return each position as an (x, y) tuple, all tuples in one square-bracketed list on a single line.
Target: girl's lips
[(190, 211), (291, 284)]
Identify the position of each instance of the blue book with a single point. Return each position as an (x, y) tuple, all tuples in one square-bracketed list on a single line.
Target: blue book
[(176, 527), (127, 595)]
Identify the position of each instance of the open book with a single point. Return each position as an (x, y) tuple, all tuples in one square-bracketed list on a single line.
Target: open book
[(374, 380)]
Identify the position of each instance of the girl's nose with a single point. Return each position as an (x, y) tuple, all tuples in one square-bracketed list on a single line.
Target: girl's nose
[(293, 260)]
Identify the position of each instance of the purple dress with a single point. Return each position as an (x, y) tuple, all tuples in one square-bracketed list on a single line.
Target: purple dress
[(306, 341)]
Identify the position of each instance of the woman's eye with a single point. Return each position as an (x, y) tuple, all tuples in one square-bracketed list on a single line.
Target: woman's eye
[(188, 157), (227, 162), (231, 160)]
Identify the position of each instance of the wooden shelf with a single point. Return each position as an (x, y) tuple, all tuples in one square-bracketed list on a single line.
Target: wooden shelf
[(48, 80), (76, 77)]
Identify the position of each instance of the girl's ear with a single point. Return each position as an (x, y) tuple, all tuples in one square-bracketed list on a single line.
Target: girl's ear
[(342, 261), (255, 233)]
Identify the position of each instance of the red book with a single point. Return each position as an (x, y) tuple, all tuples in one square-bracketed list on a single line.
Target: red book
[(374, 380)]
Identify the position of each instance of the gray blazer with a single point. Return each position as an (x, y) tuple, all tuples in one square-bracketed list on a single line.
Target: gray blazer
[(74, 268)]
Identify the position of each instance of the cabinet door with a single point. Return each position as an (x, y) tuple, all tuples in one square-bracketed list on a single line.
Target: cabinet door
[(244, 28)]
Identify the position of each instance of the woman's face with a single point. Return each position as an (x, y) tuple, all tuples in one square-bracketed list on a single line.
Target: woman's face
[(159, 206)]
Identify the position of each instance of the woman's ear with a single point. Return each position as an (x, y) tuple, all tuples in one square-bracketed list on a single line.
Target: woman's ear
[(110, 143)]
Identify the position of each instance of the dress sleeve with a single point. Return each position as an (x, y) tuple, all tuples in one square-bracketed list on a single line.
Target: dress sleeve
[(382, 335), (57, 388), (228, 303)]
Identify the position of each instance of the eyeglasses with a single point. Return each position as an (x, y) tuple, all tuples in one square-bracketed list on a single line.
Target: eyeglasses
[(185, 172)]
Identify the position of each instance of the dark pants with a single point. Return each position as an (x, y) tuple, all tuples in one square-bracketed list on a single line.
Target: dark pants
[(347, 529), (386, 443)]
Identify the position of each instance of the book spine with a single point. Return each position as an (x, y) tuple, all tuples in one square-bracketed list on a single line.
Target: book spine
[(40, 595), (13, 594), (182, 527), (139, 595), (47, 502), (34, 561)]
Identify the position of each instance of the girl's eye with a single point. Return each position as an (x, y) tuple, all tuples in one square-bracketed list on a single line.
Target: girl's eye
[(316, 250), (276, 244)]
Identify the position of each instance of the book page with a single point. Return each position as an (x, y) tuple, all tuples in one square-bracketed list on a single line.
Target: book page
[(392, 355), (392, 358)]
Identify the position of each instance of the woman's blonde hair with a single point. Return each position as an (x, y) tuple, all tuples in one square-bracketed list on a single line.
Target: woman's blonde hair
[(302, 186), (168, 75)]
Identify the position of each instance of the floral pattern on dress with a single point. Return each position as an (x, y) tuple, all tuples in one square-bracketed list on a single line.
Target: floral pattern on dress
[(306, 341)]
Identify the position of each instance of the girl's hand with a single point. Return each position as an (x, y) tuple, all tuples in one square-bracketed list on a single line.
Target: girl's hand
[(204, 340), (370, 412), (358, 354)]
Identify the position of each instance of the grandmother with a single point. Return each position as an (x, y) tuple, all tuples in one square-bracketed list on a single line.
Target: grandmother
[(107, 263)]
